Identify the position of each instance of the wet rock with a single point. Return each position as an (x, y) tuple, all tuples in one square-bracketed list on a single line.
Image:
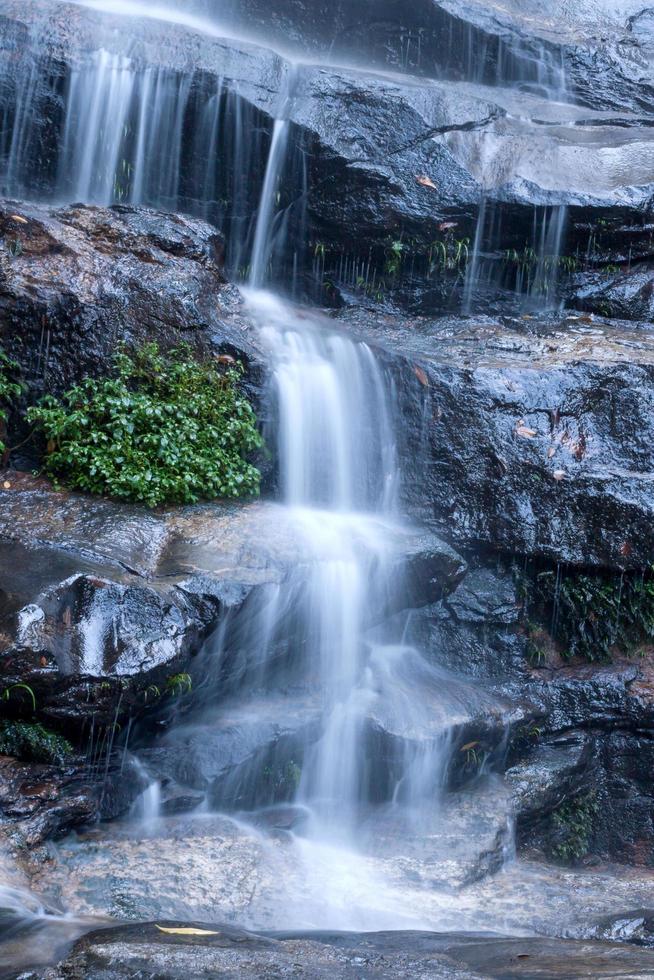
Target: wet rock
[(378, 209), (634, 926), (81, 280), (246, 756), (102, 603), (535, 435), (554, 771), (486, 596), (219, 950), (588, 745), (45, 801), (625, 295)]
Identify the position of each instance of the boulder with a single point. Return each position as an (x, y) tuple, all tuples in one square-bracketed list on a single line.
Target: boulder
[(76, 282), (625, 295), (103, 603), (43, 802)]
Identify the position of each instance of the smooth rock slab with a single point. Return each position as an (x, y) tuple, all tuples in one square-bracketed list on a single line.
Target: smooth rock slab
[(147, 951)]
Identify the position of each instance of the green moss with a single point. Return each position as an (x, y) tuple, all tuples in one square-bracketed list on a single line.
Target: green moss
[(572, 828), (162, 429), (33, 743)]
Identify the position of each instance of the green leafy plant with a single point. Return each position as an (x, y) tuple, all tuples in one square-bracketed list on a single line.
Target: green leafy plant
[(164, 428), (8, 691), (587, 613), (572, 826), (282, 781), (179, 684), (10, 389), (33, 743), (595, 614), (394, 255)]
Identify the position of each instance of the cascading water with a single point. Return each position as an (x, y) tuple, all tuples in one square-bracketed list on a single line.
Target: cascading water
[(530, 271), (312, 691)]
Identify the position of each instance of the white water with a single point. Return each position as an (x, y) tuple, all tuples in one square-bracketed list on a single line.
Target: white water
[(169, 13), (385, 715), (263, 237)]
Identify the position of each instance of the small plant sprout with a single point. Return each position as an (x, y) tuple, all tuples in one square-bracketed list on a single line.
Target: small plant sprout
[(179, 684)]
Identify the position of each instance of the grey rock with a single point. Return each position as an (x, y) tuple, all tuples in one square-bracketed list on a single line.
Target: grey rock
[(112, 954)]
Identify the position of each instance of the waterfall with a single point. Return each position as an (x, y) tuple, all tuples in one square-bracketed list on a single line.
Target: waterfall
[(98, 108), (264, 234), (381, 716), (127, 132)]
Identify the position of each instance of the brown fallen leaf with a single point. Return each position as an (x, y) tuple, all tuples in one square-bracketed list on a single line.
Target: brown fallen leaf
[(626, 549), (186, 931), (226, 359), (19, 218), (421, 376), (447, 225), (526, 433), (559, 474), (43, 662), (426, 181), (468, 746), (550, 452)]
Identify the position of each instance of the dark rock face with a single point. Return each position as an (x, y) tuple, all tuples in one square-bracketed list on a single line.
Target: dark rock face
[(626, 296), (44, 801), (515, 44), (219, 950), (536, 435)]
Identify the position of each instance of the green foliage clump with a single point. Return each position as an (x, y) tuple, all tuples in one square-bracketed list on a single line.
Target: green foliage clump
[(33, 743), (584, 613), (573, 826), (179, 684), (164, 428), (281, 782), (590, 614), (10, 389)]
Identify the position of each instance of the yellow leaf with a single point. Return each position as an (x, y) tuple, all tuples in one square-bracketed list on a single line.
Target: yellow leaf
[(186, 931), (421, 376), (426, 182), (526, 433), (7, 485), (19, 219)]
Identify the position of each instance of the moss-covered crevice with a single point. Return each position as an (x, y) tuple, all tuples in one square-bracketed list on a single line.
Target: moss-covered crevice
[(586, 613)]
